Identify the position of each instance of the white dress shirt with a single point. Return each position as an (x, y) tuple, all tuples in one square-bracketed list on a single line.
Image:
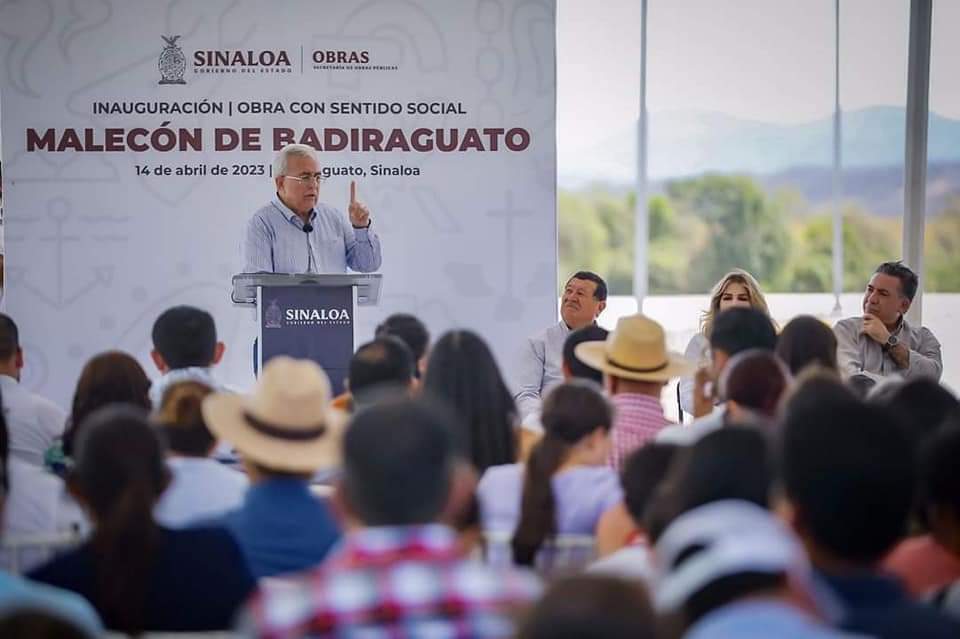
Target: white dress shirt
[(38, 506), (201, 489), (539, 369), (33, 422)]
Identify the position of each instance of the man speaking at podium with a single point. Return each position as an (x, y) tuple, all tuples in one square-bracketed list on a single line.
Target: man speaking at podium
[(295, 233)]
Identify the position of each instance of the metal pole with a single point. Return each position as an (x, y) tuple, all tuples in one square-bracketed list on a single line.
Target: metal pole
[(915, 160), (640, 214), (837, 168)]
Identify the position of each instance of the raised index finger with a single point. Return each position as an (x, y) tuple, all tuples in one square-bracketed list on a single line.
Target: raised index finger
[(353, 192)]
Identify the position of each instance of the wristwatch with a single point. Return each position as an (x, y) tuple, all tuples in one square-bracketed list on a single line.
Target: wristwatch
[(891, 342)]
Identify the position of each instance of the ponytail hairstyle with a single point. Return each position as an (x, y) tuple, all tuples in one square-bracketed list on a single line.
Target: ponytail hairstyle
[(571, 412), (118, 474), (182, 422)]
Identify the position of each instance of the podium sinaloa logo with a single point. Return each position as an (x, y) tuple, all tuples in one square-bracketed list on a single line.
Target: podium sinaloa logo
[(172, 62), (273, 316), (317, 316)]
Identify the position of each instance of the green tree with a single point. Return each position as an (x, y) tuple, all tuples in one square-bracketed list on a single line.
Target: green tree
[(744, 229), (942, 250)]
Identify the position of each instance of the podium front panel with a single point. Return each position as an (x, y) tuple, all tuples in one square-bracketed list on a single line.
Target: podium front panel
[(309, 322)]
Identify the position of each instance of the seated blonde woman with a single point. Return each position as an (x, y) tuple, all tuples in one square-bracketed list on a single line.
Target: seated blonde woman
[(736, 289)]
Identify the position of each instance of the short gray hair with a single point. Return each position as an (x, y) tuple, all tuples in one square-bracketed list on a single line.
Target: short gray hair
[(291, 150)]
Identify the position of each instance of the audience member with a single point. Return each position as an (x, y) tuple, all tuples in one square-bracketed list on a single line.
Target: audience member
[(464, 374), (736, 289), (752, 385), (806, 341), (34, 422), (931, 561), (185, 348), (532, 429), (540, 366), (730, 463), (730, 569), (922, 404), (112, 377), (881, 342), (636, 366), (572, 366), (380, 369), (41, 624), (412, 332), (284, 432), (200, 488), (398, 572), (563, 488), (138, 575), (847, 490), (586, 607), (18, 595), (734, 331), (622, 540)]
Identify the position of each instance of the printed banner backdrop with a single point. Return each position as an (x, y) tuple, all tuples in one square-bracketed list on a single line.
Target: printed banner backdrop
[(138, 139)]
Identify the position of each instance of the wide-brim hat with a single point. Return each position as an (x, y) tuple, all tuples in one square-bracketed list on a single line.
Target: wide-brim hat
[(286, 423), (637, 350)]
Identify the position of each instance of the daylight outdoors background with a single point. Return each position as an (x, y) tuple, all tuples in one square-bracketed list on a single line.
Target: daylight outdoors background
[(740, 96)]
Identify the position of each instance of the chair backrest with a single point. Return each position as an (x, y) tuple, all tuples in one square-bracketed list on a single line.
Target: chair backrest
[(563, 555), (19, 555)]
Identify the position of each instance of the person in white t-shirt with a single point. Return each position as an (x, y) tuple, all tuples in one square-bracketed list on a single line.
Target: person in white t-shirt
[(32, 421), (201, 488)]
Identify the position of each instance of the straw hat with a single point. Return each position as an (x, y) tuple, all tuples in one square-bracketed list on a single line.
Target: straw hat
[(286, 424), (636, 349)]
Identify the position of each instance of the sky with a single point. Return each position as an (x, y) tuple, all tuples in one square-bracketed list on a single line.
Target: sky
[(769, 60)]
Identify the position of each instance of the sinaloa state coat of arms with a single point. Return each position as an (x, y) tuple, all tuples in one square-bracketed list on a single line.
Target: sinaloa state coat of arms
[(172, 63)]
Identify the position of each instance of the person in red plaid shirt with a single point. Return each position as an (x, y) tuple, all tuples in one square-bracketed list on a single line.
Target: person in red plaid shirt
[(636, 366), (398, 572)]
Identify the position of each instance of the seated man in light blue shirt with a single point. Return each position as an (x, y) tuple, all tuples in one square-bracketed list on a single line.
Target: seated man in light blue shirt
[(295, 233), (541, 361)]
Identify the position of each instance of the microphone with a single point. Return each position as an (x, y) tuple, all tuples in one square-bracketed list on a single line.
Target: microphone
[(307, 227)]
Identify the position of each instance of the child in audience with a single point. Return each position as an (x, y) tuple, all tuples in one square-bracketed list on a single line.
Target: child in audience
[(931, 562), (588, 607), (565, 486), (138, 575), (201, 487), (807, 341), (622, 539)]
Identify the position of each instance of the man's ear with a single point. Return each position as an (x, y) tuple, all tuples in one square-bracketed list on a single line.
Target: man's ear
[(601, 306), (904, 305), (158, 361), (19, 358), (218, 353), (340, 508)]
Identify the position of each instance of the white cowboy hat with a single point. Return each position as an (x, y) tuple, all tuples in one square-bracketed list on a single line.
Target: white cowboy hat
[(637, 350), (287, 423)]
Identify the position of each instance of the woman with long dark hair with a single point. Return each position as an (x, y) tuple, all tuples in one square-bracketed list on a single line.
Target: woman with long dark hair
[(138, 575), (111, 377), (463, 373), (566, 484)]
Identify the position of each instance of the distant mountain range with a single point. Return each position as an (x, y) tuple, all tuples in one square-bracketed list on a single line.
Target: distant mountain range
[(686, 143)]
